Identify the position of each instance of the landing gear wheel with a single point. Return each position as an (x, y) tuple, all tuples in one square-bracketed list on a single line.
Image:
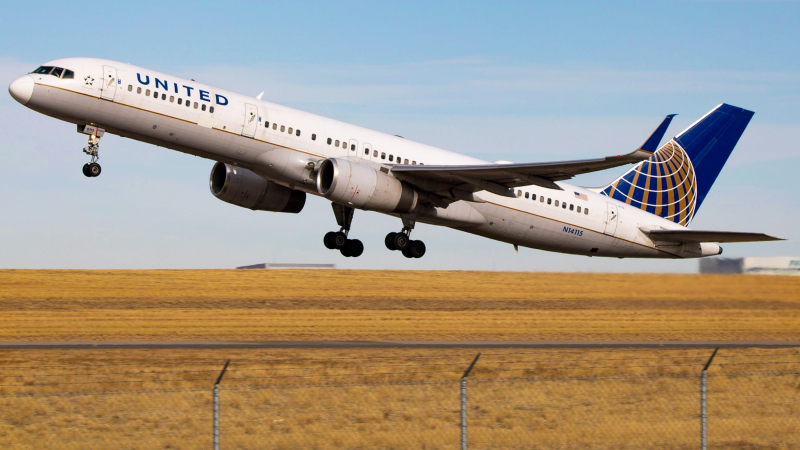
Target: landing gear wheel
[(330, 240), (339, 240), (94, 169), (86, 172), (389, 241), (416, 249), (400, 241), (352, 248)]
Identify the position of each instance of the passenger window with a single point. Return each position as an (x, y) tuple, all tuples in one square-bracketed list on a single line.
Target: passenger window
[(329, 141), (57, 72), (541, 199), (519, 193), (366, 151), (413, 163), (571, 207), (188, 103), (195, 105), (211, 110), (586, 211), (405, 162), (291, 131), (375, 154), (266, 124), (130, 88), (155, 94), (352, 147), (556, 203), (171, 98), (383, 155), (138, 90), (297, 133), (344, 145), (533, 197), (275, 127), (579, 209), (336, 144), (203, 107), (163, 96), (527, 195), (283, 128), (68, 75), (549, 201), (391, 157), (314, 137), (147, 92)]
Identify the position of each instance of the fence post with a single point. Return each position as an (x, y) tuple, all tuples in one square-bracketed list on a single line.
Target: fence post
[(464, 402), (704, 403), (216, 405)]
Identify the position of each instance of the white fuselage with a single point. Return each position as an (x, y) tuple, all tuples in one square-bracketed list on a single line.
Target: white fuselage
[(235, 133)]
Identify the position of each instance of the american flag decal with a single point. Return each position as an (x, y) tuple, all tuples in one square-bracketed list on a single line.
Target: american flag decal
[(581, 196)]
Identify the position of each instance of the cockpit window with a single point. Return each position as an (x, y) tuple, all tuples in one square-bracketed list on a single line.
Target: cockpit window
[(55, 71)]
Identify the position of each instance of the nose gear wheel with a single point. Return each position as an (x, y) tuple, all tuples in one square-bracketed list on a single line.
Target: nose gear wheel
[(92, 169)]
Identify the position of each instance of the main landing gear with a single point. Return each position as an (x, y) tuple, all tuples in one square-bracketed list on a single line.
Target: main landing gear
[(337, 240), (92, 169), (401, 241)]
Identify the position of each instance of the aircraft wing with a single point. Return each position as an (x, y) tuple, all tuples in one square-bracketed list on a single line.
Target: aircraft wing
[(690, 236), (501, 179)]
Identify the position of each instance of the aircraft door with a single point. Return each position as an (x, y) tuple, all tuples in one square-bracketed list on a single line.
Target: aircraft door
[(366, 152), (250, 120), (109, 87), (612, 219)]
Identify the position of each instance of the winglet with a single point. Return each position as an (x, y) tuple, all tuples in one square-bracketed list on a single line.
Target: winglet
[(651, 144)]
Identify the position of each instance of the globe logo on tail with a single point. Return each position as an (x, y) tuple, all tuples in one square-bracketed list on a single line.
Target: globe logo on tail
[(664, 185)]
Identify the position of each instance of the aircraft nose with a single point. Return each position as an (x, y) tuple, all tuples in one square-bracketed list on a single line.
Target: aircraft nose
[(21, 89)]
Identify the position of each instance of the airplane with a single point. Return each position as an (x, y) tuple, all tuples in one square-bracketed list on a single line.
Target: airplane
[(268, 157)]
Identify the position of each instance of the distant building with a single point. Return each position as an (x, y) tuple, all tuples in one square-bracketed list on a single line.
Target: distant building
[(752, 265), (288, 266)]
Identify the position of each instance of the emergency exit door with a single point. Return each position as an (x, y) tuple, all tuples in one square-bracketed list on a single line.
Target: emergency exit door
[(250, 120), (109, 86)]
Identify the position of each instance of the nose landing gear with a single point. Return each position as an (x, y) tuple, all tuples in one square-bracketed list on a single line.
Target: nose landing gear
[(92, 169), (337, 240)]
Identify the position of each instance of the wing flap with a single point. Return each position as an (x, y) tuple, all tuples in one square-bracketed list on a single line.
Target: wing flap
[(692, 236)]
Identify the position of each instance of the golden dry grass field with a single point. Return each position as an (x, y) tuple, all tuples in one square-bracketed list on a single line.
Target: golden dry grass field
[(398, 398), (395, 398), (51, 305)]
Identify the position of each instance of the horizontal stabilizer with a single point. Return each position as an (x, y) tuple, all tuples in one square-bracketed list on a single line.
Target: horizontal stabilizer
[(708, 236)]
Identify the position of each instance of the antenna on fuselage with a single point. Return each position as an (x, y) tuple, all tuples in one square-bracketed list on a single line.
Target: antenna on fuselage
[(258, 97)]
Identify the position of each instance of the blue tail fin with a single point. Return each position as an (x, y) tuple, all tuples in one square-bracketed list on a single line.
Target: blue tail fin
[(674, 181)]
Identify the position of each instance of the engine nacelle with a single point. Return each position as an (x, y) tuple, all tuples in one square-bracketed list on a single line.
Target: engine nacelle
[(244, 188), (350, 183)]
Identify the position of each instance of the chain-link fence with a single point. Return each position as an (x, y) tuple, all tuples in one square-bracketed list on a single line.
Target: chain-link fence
[(510, 400)]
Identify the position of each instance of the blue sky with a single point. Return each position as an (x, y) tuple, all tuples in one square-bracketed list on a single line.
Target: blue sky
[(521, 81)]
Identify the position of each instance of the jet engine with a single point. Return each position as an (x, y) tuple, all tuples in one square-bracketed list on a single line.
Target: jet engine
[(244, 188), (350, 183)]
